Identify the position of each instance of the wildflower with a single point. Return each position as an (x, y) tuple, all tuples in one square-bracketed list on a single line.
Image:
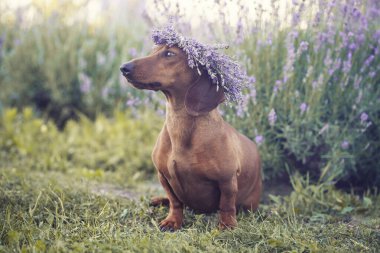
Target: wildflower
[(239, 32), (82, 64), (100, 59), (1, 42), (272, 117), (277, 86), (369, 60), (251, 79), (224, 72), (105, 92), (352, 46), (345, 144), (295, 19), (253, 94), (132, 102), (85, 83), (357, 82), (314, 84), (132, 52), (259, 139), (303, 107), (363, 117), (304, 46), (359, 97)]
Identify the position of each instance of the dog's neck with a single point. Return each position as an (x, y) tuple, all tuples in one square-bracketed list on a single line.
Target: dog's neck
[(182, 126)]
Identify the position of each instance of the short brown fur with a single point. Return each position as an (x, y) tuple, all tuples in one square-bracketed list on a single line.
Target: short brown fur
[(202, 161)]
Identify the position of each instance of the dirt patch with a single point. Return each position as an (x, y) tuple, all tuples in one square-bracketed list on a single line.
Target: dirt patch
[(155, 189)]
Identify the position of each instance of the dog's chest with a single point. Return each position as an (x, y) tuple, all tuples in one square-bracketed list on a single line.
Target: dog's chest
[(189, 183)]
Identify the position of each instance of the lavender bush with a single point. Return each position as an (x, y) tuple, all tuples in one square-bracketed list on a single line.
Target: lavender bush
[(315, 104)]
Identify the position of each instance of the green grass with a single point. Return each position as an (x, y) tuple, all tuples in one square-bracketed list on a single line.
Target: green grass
[(68, 211)]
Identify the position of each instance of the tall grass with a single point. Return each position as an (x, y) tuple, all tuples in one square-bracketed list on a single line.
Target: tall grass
[(314, 106)]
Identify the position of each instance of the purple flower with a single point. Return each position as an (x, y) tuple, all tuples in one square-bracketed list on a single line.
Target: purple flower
[(277, 86), (1, 42), (369, 60), (259, 139), (253, 94), (363, 117), (303, 107), (85, 83), (347, 64), (101, 59), (132, 52), (105, 92), (17, 42), (251, 79), (132, 102), (376, 35), (352, 47), (304, 46), (295, 19), (272, 117), (345, 144), (239, 32)]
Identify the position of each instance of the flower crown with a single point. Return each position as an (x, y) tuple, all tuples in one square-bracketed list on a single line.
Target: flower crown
[(223, 71)]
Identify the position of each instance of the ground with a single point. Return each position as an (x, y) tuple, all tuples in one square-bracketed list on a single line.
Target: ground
[(74, 211)]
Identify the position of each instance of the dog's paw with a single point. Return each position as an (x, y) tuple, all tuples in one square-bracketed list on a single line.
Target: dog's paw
[(170, 224), (224, 226), (227, 221)]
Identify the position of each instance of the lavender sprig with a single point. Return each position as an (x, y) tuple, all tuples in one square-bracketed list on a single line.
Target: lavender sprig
[(223, 71)]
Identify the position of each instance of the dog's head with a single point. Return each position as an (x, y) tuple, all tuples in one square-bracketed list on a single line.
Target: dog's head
[(167, 69)]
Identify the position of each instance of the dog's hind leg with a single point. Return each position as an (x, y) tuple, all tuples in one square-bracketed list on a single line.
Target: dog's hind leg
[(252, 202), (159, 201)]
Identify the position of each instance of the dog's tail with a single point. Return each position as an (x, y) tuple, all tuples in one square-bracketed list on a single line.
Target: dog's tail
[(159, 201)]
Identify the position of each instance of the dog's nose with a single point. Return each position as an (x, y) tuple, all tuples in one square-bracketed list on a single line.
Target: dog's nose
[(127, 68)]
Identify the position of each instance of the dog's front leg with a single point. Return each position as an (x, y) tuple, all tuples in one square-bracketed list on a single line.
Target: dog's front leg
[(175, 217), (227, 204)]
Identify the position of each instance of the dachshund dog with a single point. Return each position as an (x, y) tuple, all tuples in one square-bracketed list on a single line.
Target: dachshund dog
[(202, 161)]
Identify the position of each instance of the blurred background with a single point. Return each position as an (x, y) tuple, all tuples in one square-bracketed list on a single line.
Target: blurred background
[(313, 106)]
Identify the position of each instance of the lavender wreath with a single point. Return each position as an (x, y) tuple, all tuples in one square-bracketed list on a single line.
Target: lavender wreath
[(223, 71)]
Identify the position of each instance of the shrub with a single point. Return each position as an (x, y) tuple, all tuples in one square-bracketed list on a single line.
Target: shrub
[(123, 143)]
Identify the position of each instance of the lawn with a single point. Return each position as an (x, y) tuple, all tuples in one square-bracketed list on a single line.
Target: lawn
[(78, 211)]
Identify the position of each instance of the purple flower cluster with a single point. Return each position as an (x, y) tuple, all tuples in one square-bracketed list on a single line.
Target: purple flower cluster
[(272, 117), (345, 144), (223, 71), (303, 107), (259, 139), (85, 83)]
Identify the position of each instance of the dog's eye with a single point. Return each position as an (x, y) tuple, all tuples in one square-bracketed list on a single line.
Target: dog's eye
[(168, 54)]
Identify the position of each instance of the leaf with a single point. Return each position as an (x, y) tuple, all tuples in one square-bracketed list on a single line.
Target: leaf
[(367, 202), (347, 209), (275, 243)]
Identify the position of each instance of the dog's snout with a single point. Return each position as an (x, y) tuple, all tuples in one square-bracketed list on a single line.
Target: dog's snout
[(127, 68)]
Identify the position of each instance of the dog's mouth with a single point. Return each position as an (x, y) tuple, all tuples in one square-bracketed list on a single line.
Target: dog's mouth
[(141, 85)]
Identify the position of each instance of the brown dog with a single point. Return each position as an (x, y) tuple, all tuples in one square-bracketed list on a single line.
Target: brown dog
[(202, 161)]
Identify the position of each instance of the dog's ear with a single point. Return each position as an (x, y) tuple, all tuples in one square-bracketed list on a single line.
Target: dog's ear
[(203, 96)]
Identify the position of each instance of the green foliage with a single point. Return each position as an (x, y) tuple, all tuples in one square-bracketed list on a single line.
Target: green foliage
[(328, 134), (61, 67), (123, 143), (64, 67)]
